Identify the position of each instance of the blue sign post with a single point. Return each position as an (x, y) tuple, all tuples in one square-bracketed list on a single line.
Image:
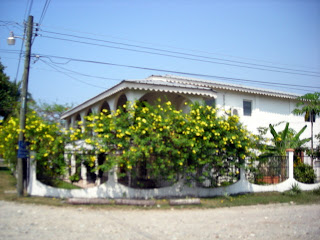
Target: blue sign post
[(22, 150)]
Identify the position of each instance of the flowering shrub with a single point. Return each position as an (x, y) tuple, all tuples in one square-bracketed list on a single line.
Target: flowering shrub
[(47, 140), (147, 142), (160, 142)]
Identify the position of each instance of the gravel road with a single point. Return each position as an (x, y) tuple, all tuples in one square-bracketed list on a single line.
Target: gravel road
[(26, 221)]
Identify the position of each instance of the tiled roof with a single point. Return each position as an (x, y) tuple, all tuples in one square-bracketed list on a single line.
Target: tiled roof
[(215, 85)]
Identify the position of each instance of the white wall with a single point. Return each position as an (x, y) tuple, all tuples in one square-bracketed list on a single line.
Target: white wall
[(266, 110)]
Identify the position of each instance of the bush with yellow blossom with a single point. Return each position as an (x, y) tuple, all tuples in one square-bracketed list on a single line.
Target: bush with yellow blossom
[(46, 139), (152, 142)]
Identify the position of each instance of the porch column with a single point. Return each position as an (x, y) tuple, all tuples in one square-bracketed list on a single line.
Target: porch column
[(84, 174), (67, 160), (112, 175), (98, 179), (73, 164), (242, 173), (290, 153)]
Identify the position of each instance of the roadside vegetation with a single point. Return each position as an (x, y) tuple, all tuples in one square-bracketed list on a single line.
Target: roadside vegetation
[(8, 193)]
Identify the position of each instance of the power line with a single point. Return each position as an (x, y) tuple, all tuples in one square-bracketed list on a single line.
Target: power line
[(175, 47), (21, 48), (93, 85), (176, 72), (82, 74), (29, 11), (187, 58), (87, 75), (44, 11)]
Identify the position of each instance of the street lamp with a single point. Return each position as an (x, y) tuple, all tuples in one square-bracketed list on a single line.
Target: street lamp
[(12, 39), (22, 150)]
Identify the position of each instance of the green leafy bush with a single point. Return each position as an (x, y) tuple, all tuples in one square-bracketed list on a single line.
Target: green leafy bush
[(148, 142), (304, 173)]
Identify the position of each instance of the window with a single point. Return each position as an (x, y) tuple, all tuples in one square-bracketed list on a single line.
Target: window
[(211, 102), (307, 117), (247, 108)]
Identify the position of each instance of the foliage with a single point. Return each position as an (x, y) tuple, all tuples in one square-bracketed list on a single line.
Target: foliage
[(295, 190), (317, 191), (160, 142), (9, 94), (50, 112), (308, 103), (304, 173), (285, 139), (47, 140)]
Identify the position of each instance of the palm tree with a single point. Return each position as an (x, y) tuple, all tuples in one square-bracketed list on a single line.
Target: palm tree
[(309, 105)]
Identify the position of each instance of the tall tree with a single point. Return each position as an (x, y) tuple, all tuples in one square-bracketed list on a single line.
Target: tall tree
[(9, 94), (309, 105), (50, 112)]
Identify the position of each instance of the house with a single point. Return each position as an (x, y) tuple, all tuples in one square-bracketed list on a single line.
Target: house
[(256, 107)]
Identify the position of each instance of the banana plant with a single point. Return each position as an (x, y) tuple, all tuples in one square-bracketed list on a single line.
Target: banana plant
[(285, 139)]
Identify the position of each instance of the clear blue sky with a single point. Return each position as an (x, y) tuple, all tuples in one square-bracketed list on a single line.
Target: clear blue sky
[(283, 34)]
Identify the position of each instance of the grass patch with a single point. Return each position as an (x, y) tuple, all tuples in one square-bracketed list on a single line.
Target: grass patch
[(65, 185), (8, 187)]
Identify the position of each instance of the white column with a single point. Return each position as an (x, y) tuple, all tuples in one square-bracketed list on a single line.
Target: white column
[(73, 164), (84, 174), (317, 170), (67, 161), (290, 153), (112, 175), (98, 179), (242, 173), (32, 173)]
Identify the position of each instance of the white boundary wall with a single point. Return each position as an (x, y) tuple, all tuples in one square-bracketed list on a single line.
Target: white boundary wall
[(112, 189)]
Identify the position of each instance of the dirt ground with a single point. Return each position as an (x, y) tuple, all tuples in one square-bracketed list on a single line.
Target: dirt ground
[(26, 221)]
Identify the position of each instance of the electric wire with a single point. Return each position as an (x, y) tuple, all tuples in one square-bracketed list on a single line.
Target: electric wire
[(175, 47), (83, 74), (20, 55), (28, 10), (44, 11), (68, 75), (174, 56), (181, 53), (176, 72)]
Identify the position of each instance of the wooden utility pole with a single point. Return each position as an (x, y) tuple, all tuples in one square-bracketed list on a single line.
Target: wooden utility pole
[(22, 151)]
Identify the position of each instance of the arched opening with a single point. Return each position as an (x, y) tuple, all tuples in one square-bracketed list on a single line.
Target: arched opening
[(105, 108), (176, 99), (77, 120), (122, 101)]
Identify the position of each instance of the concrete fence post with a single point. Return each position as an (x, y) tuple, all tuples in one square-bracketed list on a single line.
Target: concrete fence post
[(290, 153), (32, 172)]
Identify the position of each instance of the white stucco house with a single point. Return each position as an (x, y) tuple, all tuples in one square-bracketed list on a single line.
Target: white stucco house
[(256, 107)]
